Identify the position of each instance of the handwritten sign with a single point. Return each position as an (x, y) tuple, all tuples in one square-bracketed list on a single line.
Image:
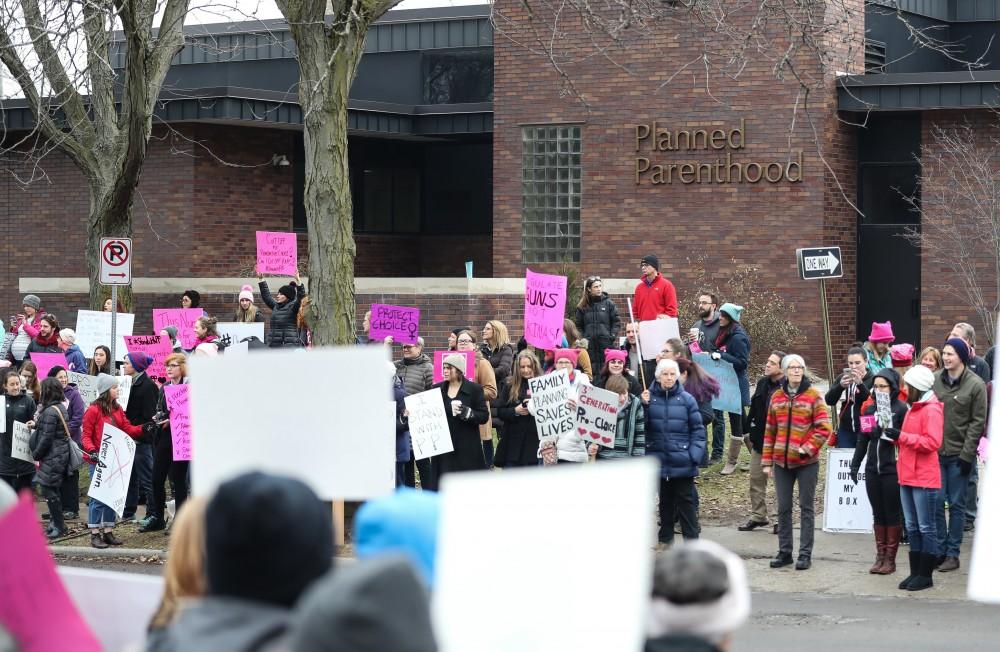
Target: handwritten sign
[(548, 404), (19, 448), (124, 390), (111, 474), (87, 386), (597, 415), (181, 318), (400, 322), (428, 424), (654, 333), (729, 399), (845, 507), (883, 407), (544, 306), (470, 364), (180, 420), (93, 329), (277, 253), (232, 333), (36, 609), (156, 346), (45, 361)]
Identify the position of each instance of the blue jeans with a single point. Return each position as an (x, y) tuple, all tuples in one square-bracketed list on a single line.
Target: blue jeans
[(972, 495), (98, 514), (919, 510), (847, 438), (953, 489), (141, 480)]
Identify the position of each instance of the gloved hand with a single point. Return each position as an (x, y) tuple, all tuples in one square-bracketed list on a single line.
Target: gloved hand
[(891, 433), (716, 356), (148, 428), (465, 413), (965, 468), (854, 475), (92, 457)]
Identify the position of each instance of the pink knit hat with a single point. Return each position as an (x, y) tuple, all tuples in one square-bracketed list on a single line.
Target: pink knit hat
[(615, 354), (881, 332), (246, 292), (901, 354), (569, 354)]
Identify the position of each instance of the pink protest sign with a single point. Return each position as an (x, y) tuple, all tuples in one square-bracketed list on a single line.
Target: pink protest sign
[(156, 346), (36, 609), (277, 253), (180, 420), (45, 361), (544, 307), (470, 364), (402, 323), (181, 318)]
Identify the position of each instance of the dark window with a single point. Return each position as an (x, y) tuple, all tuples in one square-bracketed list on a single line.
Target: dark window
[(458, 77), (884, 189), (551, 183), (387, 200)]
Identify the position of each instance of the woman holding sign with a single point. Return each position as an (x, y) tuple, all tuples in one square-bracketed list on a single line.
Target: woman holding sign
[(466, 409), (51, 450), (486, 378), (732, 344), (104, 410), (164, 463), (284, 331), (20, 406), (519, 440)]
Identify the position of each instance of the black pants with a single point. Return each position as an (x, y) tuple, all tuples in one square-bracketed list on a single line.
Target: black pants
[(883, 494), (677, 495), (164, 465), (19, 482), (55, 504), (69, 492), (428, 479)]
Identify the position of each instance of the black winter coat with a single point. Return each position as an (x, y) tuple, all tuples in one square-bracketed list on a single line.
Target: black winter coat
[(756, 419), (19, 408), (142, 402), (51, 449), (850, 413), (468, 449), (881, 453), (502, 360), (599, 324), (284, 332), (519, 440), (634, 386)]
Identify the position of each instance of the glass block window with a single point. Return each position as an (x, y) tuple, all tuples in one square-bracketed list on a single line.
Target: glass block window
[(551, 176)]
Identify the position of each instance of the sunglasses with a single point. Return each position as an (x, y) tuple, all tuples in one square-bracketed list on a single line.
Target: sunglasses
[(593, 279)]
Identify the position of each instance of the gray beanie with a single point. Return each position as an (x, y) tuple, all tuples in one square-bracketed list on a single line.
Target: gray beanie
[(32, 301), (105, 382)]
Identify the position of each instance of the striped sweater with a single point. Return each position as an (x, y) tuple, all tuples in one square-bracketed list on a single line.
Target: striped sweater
[(630, 436), (802, 420)]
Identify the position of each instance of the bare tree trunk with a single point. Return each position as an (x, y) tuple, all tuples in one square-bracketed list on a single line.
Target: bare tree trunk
[(105, 221)]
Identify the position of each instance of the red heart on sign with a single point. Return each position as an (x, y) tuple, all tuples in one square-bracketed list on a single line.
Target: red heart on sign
[(606, 440), (595, 435), (582, 431)]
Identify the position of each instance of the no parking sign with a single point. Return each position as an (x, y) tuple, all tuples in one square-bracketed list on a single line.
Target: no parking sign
[(116, 261)]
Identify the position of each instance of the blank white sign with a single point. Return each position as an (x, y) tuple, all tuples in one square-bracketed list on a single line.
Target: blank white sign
[(548, 587), (318, 415), (984, 572)]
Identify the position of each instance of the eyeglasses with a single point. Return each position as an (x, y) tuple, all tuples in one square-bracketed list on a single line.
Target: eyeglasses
[(465, 341), (795, 367), (410, 346), (641, 265), (881, 386), (174, 365)]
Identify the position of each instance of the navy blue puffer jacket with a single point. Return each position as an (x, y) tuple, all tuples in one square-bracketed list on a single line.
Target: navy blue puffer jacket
[(674, 431)]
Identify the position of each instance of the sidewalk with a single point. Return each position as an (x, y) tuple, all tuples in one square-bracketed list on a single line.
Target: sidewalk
[(840, 565)]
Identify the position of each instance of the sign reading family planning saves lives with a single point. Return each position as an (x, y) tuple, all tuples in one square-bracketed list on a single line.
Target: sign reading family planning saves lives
[(553, 415), (400, 322), (428, 424), (597, 415), (729, 399), (277, 253), (544, 307), (845, 506), (109, 483)]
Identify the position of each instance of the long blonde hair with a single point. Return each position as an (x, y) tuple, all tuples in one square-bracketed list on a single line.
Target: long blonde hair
[(501, 337), (184, 576), (515, 375)]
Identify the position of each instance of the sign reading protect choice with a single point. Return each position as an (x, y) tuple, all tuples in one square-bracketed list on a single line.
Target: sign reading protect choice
[(400, 322)]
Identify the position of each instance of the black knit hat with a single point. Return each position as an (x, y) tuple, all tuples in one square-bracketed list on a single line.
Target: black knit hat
[(288, 291), (267, 538), (652, 261)]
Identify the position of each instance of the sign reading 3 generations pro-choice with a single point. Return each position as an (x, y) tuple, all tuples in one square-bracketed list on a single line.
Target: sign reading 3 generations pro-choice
[(658, 146)]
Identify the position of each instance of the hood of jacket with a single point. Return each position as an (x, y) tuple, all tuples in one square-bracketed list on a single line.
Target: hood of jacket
[(213, 624), (404, 522), (890, 377)]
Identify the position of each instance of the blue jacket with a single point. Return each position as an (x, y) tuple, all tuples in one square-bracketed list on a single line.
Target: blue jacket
[(75, 360), (674, 431)]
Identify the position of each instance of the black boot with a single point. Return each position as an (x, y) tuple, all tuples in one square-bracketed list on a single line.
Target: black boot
[(926, 567), (914, 570), (58, 527)]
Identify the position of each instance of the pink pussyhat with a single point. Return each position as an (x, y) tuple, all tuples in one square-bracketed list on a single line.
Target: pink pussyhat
[(615, 354), (901, 355), (881, 332)]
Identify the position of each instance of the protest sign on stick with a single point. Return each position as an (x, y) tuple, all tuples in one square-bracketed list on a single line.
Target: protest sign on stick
[(277, 253), (729, 399), (549, 405), (597, 415), (156, 346), (654, 333), (428, 424), (182, 319), (110, 476), (845, 504), (578, 503), (180, 420), (19, 447), (399, 322), (93, 328), (544, 308), (470, 364)]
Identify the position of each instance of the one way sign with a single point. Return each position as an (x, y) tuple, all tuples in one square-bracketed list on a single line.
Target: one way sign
[(820, 262)]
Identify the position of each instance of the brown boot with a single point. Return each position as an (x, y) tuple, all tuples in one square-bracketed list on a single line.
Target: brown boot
[(880, 550), (893, 533), (733, 455)]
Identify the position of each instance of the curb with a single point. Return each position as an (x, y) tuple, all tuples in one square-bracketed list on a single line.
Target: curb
[(87, 551)]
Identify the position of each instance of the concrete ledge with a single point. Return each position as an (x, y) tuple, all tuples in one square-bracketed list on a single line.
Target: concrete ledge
[(87, 551)]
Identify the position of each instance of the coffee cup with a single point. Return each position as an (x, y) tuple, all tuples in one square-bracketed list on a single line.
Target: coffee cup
[(456, 407)]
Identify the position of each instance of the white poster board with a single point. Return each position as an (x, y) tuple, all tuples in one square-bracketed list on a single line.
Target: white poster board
[(579, 505), (335, 435), (93, 328), (845, 505), (597, 415), (3, 414), (19, 448), (232, 332), (429, 431), (124, 390), (87, 386), (109, 481), (240, 348), (548, 404), (653, 333), (116, 606), (984, 570)]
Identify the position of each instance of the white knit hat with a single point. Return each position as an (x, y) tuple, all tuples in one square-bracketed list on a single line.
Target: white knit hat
[(246, 292), (67, 335), (920, 377)]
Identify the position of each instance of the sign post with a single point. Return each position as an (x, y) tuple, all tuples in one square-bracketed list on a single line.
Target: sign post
[(116, 269), (821, 263)]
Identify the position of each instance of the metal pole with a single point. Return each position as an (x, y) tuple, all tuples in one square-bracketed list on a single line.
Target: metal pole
[(638, 349), (825, 311), (114, 323)]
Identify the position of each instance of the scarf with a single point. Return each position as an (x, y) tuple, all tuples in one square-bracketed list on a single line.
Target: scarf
[(51, 340)]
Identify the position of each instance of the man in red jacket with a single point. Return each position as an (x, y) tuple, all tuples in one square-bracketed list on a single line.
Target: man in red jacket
[(655, 296)]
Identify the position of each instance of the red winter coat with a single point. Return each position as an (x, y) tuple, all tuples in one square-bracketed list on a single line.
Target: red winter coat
[(93, 426), (660, 298), (919, 441)]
